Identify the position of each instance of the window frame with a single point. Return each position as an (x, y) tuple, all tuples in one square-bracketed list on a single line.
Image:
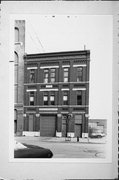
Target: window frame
[(65, 77), (16, 58), (79, 76), (52, 77), (44, 75), (33, 72), (79, 94), (45, 94), (16, 38), (31, 95), (52, 95), (66, 94)]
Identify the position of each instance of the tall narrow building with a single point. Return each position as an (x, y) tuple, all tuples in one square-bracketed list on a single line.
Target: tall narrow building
[(19, 50)]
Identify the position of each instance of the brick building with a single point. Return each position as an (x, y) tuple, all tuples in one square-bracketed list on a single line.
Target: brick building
[(56, 94), (19, 50)]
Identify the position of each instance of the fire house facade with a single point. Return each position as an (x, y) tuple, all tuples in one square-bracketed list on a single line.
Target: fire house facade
[(56, 94)]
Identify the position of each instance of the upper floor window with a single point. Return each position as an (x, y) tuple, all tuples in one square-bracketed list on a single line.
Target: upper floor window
[(16, 34), (52, 99), (79, 98), (45, 99), (79, 74), (16, 58), (66, 74), (52, 75), (49, 75), (46, 75), (16, 67), (65, 98), (32, 76), (31, 98)]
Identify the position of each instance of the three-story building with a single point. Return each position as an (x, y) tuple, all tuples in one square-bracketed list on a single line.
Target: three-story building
[(56, 94)]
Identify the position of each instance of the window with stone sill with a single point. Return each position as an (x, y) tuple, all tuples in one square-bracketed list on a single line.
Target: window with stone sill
[(79, 97), (31, 99), (66, 74), (45, 99), (32, 76), (52, 99), (65, 98), (79, 74), (46, 75)]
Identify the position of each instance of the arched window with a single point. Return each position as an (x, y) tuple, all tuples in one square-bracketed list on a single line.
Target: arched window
[(15, 120), (16, 58), (15, 114), (16, 61), (16, 34)]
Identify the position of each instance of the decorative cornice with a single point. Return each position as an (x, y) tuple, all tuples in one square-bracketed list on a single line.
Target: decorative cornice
[(82, 54)]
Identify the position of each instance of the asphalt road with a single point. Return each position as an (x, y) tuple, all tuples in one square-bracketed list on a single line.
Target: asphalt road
[(67, 149)]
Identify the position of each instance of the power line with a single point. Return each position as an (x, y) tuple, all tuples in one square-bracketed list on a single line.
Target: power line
[(38, 40), (34, 42)]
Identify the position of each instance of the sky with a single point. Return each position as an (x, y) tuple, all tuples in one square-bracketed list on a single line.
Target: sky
[(70, 33)]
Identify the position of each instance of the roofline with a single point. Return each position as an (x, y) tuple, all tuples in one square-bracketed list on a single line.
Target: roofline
[(97, 119), (54, 54)]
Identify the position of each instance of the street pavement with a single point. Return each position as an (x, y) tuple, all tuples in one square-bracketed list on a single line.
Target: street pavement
[(63, 148)]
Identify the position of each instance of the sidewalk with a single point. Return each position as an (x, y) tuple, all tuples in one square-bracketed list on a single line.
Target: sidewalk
[(73, 140), (63, 139)]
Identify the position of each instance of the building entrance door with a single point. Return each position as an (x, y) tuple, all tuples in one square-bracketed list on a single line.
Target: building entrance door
[(78, 125), (30, 122), (78, 130)]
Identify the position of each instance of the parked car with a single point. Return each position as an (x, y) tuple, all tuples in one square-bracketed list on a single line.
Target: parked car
[(23, 150), (97, 135)]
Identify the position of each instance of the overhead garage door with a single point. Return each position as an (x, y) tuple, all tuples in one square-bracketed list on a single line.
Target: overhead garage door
[(48, 125)]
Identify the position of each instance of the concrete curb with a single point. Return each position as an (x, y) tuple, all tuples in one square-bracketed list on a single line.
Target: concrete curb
[(63, 140)]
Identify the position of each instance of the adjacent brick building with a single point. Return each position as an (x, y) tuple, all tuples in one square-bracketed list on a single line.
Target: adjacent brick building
[(19, 50), (56, 94)]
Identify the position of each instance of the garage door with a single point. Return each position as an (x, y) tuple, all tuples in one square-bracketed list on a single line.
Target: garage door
[(48, 126)]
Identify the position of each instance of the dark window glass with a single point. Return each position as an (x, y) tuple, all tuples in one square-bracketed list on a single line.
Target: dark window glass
[(32, 76), (79, 74), (45, 99), (79, 98), (31, 98), (66, 74), (65, 98)]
